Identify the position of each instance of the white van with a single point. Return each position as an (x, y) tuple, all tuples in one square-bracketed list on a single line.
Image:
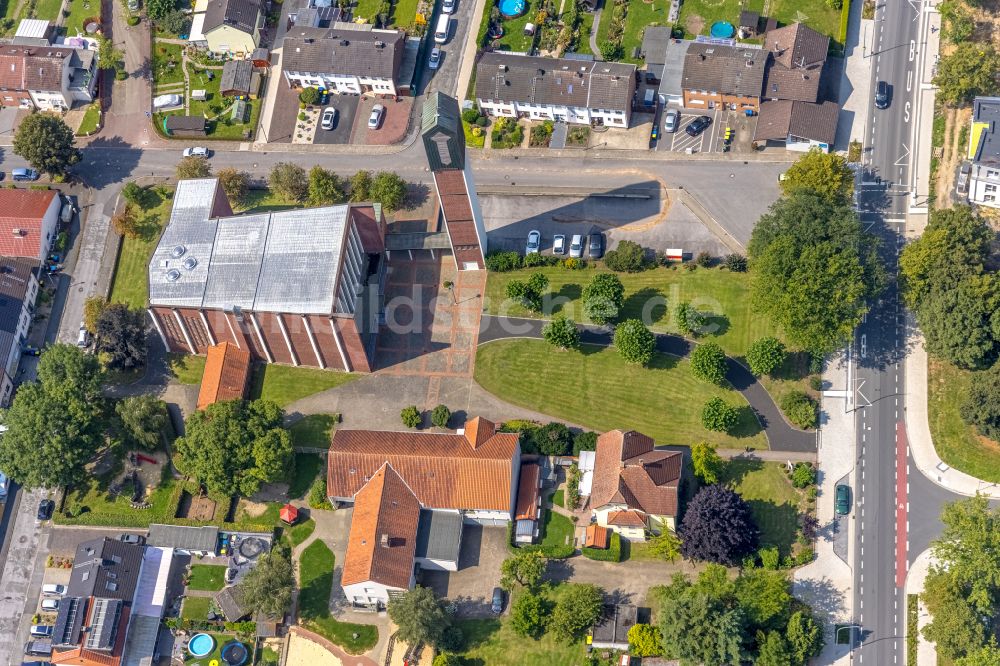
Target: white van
[(441, 31)]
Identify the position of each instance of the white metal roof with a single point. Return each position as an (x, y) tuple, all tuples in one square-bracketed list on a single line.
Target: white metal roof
[(32, 28)]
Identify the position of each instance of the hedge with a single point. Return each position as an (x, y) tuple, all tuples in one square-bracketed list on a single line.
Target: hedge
[(845, 15), (612, 554), (912, 628)]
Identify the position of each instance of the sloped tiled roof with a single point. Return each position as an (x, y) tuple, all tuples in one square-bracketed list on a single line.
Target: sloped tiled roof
[(596, 536), (628, 470), (626, 519), (778, 119), (32, 67), (383, 536), (731, 70), (240, 14), (345, 52), (227, 368), (443, 470), (797, 45), (527, 493), (23, 210), (798, 83)]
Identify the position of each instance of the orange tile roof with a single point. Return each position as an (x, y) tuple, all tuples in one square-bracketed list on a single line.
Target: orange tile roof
[(23, 210), (527, 493), (227, 368), (596, 537), (627, 519), (81, 656), (628, 470), (383, 534), (442, 469)]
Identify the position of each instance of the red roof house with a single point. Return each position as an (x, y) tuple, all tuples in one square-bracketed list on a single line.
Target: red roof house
[(28, 222)]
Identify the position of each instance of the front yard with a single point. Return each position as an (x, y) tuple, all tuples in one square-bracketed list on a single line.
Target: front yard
[(130, 285), (775, 503), (315, 583), (663, 400)]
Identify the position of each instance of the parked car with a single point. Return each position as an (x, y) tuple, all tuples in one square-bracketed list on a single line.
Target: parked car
[(4, 486), (435, 59), (497, 605), (595, 247), (130, 538), (36, 663), (166, 101), (534, 242), (197, 151), (558, 244), (53, 590), (375, 119), (83, 339), (963, 179), (576, 246), (883, 95), (24, 174), (50, 605), (843, 500), (38, 649), (44, 513), (448, 6), (698, 125), (329, 118), (31, 351), (41, 630), (671, 121)]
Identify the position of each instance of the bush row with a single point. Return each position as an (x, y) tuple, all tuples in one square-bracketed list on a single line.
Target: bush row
[(612, 554)]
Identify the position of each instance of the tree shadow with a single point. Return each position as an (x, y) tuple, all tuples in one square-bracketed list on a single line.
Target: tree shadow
[(714, 324), (100, 168), (663, 362), (795, 367), (649, 304), (416, 195), (748, 424), (822, 594), (567, 293), (778, 524), (737, 468)]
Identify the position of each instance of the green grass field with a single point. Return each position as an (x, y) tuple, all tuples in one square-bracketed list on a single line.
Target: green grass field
[(307, 467), (697, 16), (586, 26), (641, 14), (663, 401), (316, 580), (79, 11), (958, 443), (167, 64), (207, 577), (299, 533), (48, 9), (557, 530), (91, 118), (404, 12), (284, 384), (196, 608), (313, 431), (772, 498), (186, 368), (652, 295), (130, 284)]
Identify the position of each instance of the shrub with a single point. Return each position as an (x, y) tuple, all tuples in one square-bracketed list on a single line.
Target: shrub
[(502, 262), (537, 259), (719, 416), (816, 383), (704, 259), (635, 342), (528, 615), (309, 96), (573, 264), (603, 298), (765, 355), (440, 416), (737, 263), (584, 441), (470, 116), (410, 416), (613, 553), (317, 494), (708, 362), (628, 257), (803, 475), (689, 320), (799, 408), (562, 333), (770, 558)]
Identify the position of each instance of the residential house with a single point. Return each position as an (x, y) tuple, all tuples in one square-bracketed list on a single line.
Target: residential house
[(227, 372), (411, 494), (149, 604), (984, 152), (344, 59), (228, 26), (28, 228), (717, 75), (302, 287), (199, 541), (799, 125), (229, 601), (559, 89), (610, 632), (636, 488), (46, 77)]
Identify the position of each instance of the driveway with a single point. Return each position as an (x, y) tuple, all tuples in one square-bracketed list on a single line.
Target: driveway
[(471, 587), (347, 108), (626, 582), (681, 142), (395, 121)]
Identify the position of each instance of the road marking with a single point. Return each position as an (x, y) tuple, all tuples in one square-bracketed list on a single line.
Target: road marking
[(906, 112), (909, 80), (902, 504), (913, 49)]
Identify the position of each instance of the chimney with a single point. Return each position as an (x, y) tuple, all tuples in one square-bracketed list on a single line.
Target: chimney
[(384, 540), (18, 231)]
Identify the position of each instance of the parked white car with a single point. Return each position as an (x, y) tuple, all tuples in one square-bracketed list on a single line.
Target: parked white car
[(50, 605), (576, 246), (53, 590), (197, 151), (375, 119), (167, 101), (559, 244)]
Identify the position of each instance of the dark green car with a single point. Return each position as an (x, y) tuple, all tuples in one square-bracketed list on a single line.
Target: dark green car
[(843, 500)]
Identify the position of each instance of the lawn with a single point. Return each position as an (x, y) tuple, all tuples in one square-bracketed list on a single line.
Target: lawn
[(130, 283), (284, 384), (307, 467), (652, 295), (91, 119), (404, 13), (313, 431), (697, 16), (196, 608), (301, 532), (557, 530), (640, 14), (263, 200), (167, 66), (513, 38), (207, 577), (772, 498), (957, 442), (186, 368), (586, 25), (316, 580), (367, 9), (79, 11), (558, 498), (48, 10), (663, 401)]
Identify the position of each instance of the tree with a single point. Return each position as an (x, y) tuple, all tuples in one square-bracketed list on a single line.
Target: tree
[(446, 659), (193, 166), (133, 193), (765, 355), (92, 309), (584, 441), (814, 270), (235, 184), (627, 257), (176, 22), (553, 439), (764, 596), (267, 587), (235, 446), (689, 320), (289, 181), (125, 222), (562, 333), (969, 550), (108, 57), (803, 475), (708, 362), (818, 172), (706, 462), (47, 143), (577, 609), (525, 567), (603, 298), (528, 615), (121, 335), (737, 263), (718, 526), (388, 189), (361, 186), (440, 416), (325, 187), (411, 416), (419, 616), (635, 342), (157, 9), (988, 655), (774, 650), (968, 72), (310, 95), (805, 637), (644, 640), (55, 425), (143, 418), (665, 546), (981, 406), (961, 322), (698, 628), (956, 628), (528, 292), (609, 50), (719, 416), (799, 408)]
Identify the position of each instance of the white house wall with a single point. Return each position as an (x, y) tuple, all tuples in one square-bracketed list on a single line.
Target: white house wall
[(341, 83), (570, 114)]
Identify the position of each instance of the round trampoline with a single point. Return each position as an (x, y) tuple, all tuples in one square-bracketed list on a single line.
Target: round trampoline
[(251, 547), (512, 8), (723, 30), (234, 653), (201, 645)]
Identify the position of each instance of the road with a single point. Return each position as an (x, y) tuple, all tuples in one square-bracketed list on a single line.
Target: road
[(886, 477)]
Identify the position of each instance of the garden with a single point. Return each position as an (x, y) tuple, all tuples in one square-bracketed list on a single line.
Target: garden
[(90, 121), (956, 441), (507, 133), (316, 565), (824, 16)]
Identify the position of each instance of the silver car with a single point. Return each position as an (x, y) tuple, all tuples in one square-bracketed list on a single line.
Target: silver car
[(375, 119), (329, 118), (671, 120), (434, 61), (576, 246), (534, 242), (197, 151), (558, 244)]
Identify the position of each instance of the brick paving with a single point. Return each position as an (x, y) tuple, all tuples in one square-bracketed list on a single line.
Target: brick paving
[(395, 121)]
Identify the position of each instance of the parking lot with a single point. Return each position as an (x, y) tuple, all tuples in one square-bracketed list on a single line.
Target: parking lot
[(347, 108), (710, 140)]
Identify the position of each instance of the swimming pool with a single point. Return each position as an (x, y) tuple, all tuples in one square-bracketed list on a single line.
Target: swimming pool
[(201, 645), (723, 29), (512, 8)]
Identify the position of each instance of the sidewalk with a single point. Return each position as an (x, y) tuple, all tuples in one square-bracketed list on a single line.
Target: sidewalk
[(855, 80), (926, 652), (918, 429), (827, 583), (920, 170), (469, 51)]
